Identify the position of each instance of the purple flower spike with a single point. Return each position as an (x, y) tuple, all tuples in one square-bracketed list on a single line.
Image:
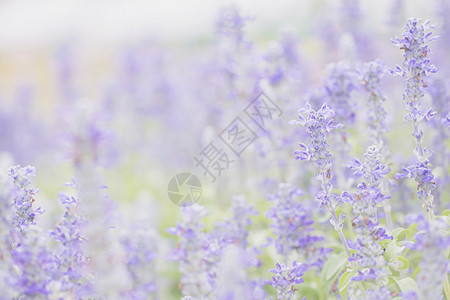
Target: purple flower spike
[(286, 278)]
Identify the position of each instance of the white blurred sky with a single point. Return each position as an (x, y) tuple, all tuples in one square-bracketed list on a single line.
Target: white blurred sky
[(28, 24)]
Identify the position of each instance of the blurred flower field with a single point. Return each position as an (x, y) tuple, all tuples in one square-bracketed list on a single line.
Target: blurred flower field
[(300, 157)]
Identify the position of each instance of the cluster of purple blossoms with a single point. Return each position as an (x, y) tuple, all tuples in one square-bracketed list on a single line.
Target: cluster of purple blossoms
[(141, 253), (285, 279), (71, 261), (368, 256), (370, 76), (234, 231), (416, 67), (231, 257), (339, 83), (23, 198), (292, 226), (205, 259), (31, 262), (192, 253), (318, 125), (430, 240)]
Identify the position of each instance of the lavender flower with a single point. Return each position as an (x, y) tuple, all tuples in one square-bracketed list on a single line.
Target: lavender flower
[(431, 240), (292, 226), (286, 278), (441, 123), (224, 238), (233, 280), (371, 74), (234, 231), (339, 84), (32, 267), (318, 124), (416, 67), (71, 261), (369, 254), (23, 198), (142, 249), (5, 222), (192, 253)]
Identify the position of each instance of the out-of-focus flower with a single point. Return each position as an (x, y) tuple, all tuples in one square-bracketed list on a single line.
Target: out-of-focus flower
[(71, 261), (142, 249), (292, 227), (431, 240), (192, 253), (233, 281)]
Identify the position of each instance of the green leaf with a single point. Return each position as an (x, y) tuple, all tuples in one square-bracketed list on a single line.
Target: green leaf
[(330, 272), (346, 278), (399, 263), (407, 285), (393, 250), (397, 232)]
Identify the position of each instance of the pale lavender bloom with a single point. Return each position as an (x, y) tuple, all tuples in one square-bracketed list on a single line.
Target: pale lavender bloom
[(142, 250), (369, 253), (339, 83), (286, 278), (232, 233), (71, 261), (441, 124), (192, 253), (416, 67), (352, 23), (86, 140), (32, 267), (292, 226), (5, 223), (23, 193), (235, 230), (370, 76), (233, 280), (318, 125), (432, 241), (423, 175), (230, 23)]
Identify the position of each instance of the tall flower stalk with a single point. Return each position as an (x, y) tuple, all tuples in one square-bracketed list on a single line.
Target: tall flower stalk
[(318, 125), (416, 68), (371, 74), (292, 226), (369, 254), (71, 261), (192, 254)]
